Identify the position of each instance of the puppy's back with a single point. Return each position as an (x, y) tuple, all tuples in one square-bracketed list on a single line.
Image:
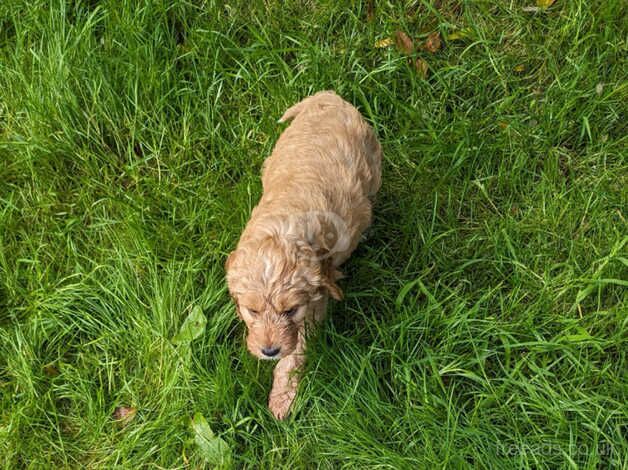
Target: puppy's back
[(313, 104), (329, 127)]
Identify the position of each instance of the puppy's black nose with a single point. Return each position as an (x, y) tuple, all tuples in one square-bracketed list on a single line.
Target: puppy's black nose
[(270, 352)]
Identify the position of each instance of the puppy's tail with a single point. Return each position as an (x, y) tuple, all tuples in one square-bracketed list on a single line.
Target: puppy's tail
[(320, 99)]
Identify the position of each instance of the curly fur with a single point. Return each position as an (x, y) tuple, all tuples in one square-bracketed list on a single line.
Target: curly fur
[(317, 189)]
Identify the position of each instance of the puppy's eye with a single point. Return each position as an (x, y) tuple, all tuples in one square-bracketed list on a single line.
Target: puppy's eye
[(253, 312), (291, 312)]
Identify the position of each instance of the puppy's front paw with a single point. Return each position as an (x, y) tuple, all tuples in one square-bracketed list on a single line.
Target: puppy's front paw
[(280, 403)]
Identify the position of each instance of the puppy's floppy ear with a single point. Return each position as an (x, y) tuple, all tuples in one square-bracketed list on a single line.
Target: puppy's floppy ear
[(324, 274), (333, 289), (228, 263), (237, 306), (230, 259), (330, 276)]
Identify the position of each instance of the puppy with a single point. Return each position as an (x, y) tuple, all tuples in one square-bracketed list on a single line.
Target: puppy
[(317, 189)]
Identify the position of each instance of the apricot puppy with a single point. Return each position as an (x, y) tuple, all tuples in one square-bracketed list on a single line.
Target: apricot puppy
[(317, 189)]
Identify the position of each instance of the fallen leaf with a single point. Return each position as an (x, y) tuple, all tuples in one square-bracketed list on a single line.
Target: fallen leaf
[(214, 449), (519, 68), (433, 42), (124, 414), (370, 10), (581, 335), (599, 88), (403, 42), (544, 3), (50, 370), (460, 34), (502, 124), (126, 182), (576, 338), (192, 328), (421, 67), (138, 150), (383, 43)]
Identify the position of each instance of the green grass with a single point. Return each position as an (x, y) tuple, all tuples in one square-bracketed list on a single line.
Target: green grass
[(485, 321)]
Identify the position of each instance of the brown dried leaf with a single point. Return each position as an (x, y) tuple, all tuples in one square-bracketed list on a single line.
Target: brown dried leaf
[(138, 150), (382, 43), (124, 414), (370, 10), (421, 67), (50, 370), (403, 42), (545, 3), (433, 42)]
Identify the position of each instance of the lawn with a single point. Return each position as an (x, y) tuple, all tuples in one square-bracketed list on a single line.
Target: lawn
[(485, 320)]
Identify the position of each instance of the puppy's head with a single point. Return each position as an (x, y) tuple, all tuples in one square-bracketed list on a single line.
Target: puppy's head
[(273, 283)]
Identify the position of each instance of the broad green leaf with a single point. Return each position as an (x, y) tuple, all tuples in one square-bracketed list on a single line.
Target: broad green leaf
[(581, 335), (214, 449), (404, 291), (460, 34), (192, 328), (576, 338)]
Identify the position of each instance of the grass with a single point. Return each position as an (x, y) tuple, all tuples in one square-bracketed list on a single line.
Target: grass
[(485, 323)]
